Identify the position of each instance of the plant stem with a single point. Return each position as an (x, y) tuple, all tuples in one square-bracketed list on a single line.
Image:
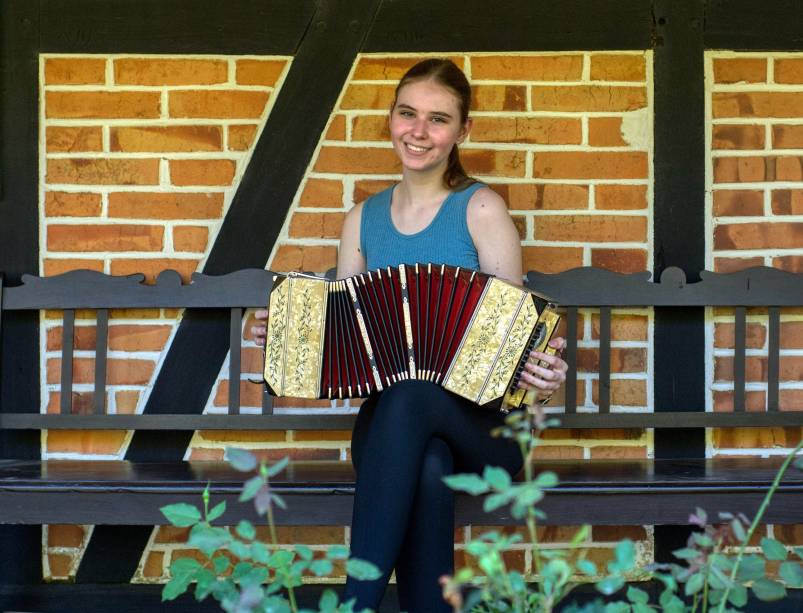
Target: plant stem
[(761, 510), (275, 540)]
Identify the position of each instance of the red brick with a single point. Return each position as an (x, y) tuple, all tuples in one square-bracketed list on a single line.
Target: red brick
[(618, 67), (202, 454), (161, 205), (370, 128), (591, 228), (789, 168), (726, 136), (60, 564), (103, 171), (202, 172), (166, 138), (736, 264), (787, 201), (778, 235), (75, 71), (337, 128), (81, 403), (365, 188), (757, 104), (150, 71), (72, 204), (618, 452), (553, 196), (747, 438), (735, 202), (54, 267), (154, 564), (322, 435), (71, 139), (790, 400), (563, 67), (499, 98), (217, 103), (244, 436), (791, 335), (789, 70), (557, 452), (754, 401), (190, 238), (171, 534), (127, 371), (789, 263), (587, 98), (116, 237), (724, 335), (259, 72), (787, 136), (316, 225), (494, 163), (623, 360), (322, 193), (312, 258), (742, 169), (620, 197), (126, 402), (95, 442), (536, 130), (241, 137), (122, 337), (615, 534), (152, 267), (105, 105), (307, 535), (625, 392), (736, 70), (620, 260), (551, 259), (623, 327), (368, 96), (605, 132), (590, 165), (353, 160), (389, 68), (294, 453), (791, 534), (62, 535), (626, 434)]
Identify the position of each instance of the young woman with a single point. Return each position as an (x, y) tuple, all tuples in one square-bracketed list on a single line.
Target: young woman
[(410, 436)]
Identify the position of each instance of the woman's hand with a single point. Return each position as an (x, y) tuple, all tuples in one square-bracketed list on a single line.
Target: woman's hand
[(545, 379), (260, 331)]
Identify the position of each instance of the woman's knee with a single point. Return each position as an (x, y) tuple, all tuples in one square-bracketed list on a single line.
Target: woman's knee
[(407, 402), (438, 463)]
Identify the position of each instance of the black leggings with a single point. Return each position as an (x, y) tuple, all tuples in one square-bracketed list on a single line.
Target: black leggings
[(404, 441)]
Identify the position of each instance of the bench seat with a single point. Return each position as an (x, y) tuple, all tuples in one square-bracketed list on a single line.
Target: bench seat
[(613, 492)]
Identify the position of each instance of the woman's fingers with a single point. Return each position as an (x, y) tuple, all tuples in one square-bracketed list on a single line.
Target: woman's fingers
[(261, 313)]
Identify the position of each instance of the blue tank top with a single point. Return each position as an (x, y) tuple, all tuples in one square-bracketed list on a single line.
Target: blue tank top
[(446, 240)]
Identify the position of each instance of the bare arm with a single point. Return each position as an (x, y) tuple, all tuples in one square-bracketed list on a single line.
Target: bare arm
[(350, 259), (494, 235)]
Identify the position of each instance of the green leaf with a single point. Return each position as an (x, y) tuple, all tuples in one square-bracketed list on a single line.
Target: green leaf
[(362, 570), (497, 478), (738, 595), (766, 589), (218, 510), (204, 583), (702, 540), (466, 482), (494, 501), (251, 487), (610, 585), (751, 568), (321, 567), (637, 596), (278, 467), (798, 552), (175, 587), (328, 601), (246, 530), (546, 479), (208, 538), (304, 552), (581, 536), (586, 567), (720, 561), (181, 514), (774, 550), (625, 553), (337, 552), (738, 530), (694, 584), (240, 550), (687, 553), (221, 564), (259, 553), (185, 566), (792, 574), (241, 460), (280, 557)]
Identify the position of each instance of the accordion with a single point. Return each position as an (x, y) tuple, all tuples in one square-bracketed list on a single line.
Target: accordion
[(464, 330)]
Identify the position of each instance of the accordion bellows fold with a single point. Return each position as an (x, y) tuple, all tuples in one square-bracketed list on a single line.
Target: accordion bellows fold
[(464, 330)]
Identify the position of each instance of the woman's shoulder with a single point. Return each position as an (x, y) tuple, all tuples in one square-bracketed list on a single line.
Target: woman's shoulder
[(379, 198), (485, 204)]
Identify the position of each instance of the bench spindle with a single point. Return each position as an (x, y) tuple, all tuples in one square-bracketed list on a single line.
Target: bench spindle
[(571, 358), (67, 340), (101, 360), (605, 359), (235, 335), (773, 357), (739, 348)]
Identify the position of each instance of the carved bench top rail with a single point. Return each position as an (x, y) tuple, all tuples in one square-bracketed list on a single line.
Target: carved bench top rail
[(757, 286)]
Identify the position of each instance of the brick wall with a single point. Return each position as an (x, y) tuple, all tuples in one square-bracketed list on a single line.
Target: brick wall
[(754, 198)]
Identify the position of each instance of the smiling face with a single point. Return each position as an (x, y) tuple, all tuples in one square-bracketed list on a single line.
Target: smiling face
[(425, 124)]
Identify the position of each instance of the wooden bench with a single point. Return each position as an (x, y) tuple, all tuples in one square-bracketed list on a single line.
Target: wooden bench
[(661, 491)]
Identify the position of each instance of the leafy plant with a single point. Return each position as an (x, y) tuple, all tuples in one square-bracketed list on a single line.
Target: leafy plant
[(706, 576), (242, 573)]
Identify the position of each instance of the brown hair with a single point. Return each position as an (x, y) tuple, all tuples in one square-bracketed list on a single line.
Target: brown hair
[(446, 73)]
